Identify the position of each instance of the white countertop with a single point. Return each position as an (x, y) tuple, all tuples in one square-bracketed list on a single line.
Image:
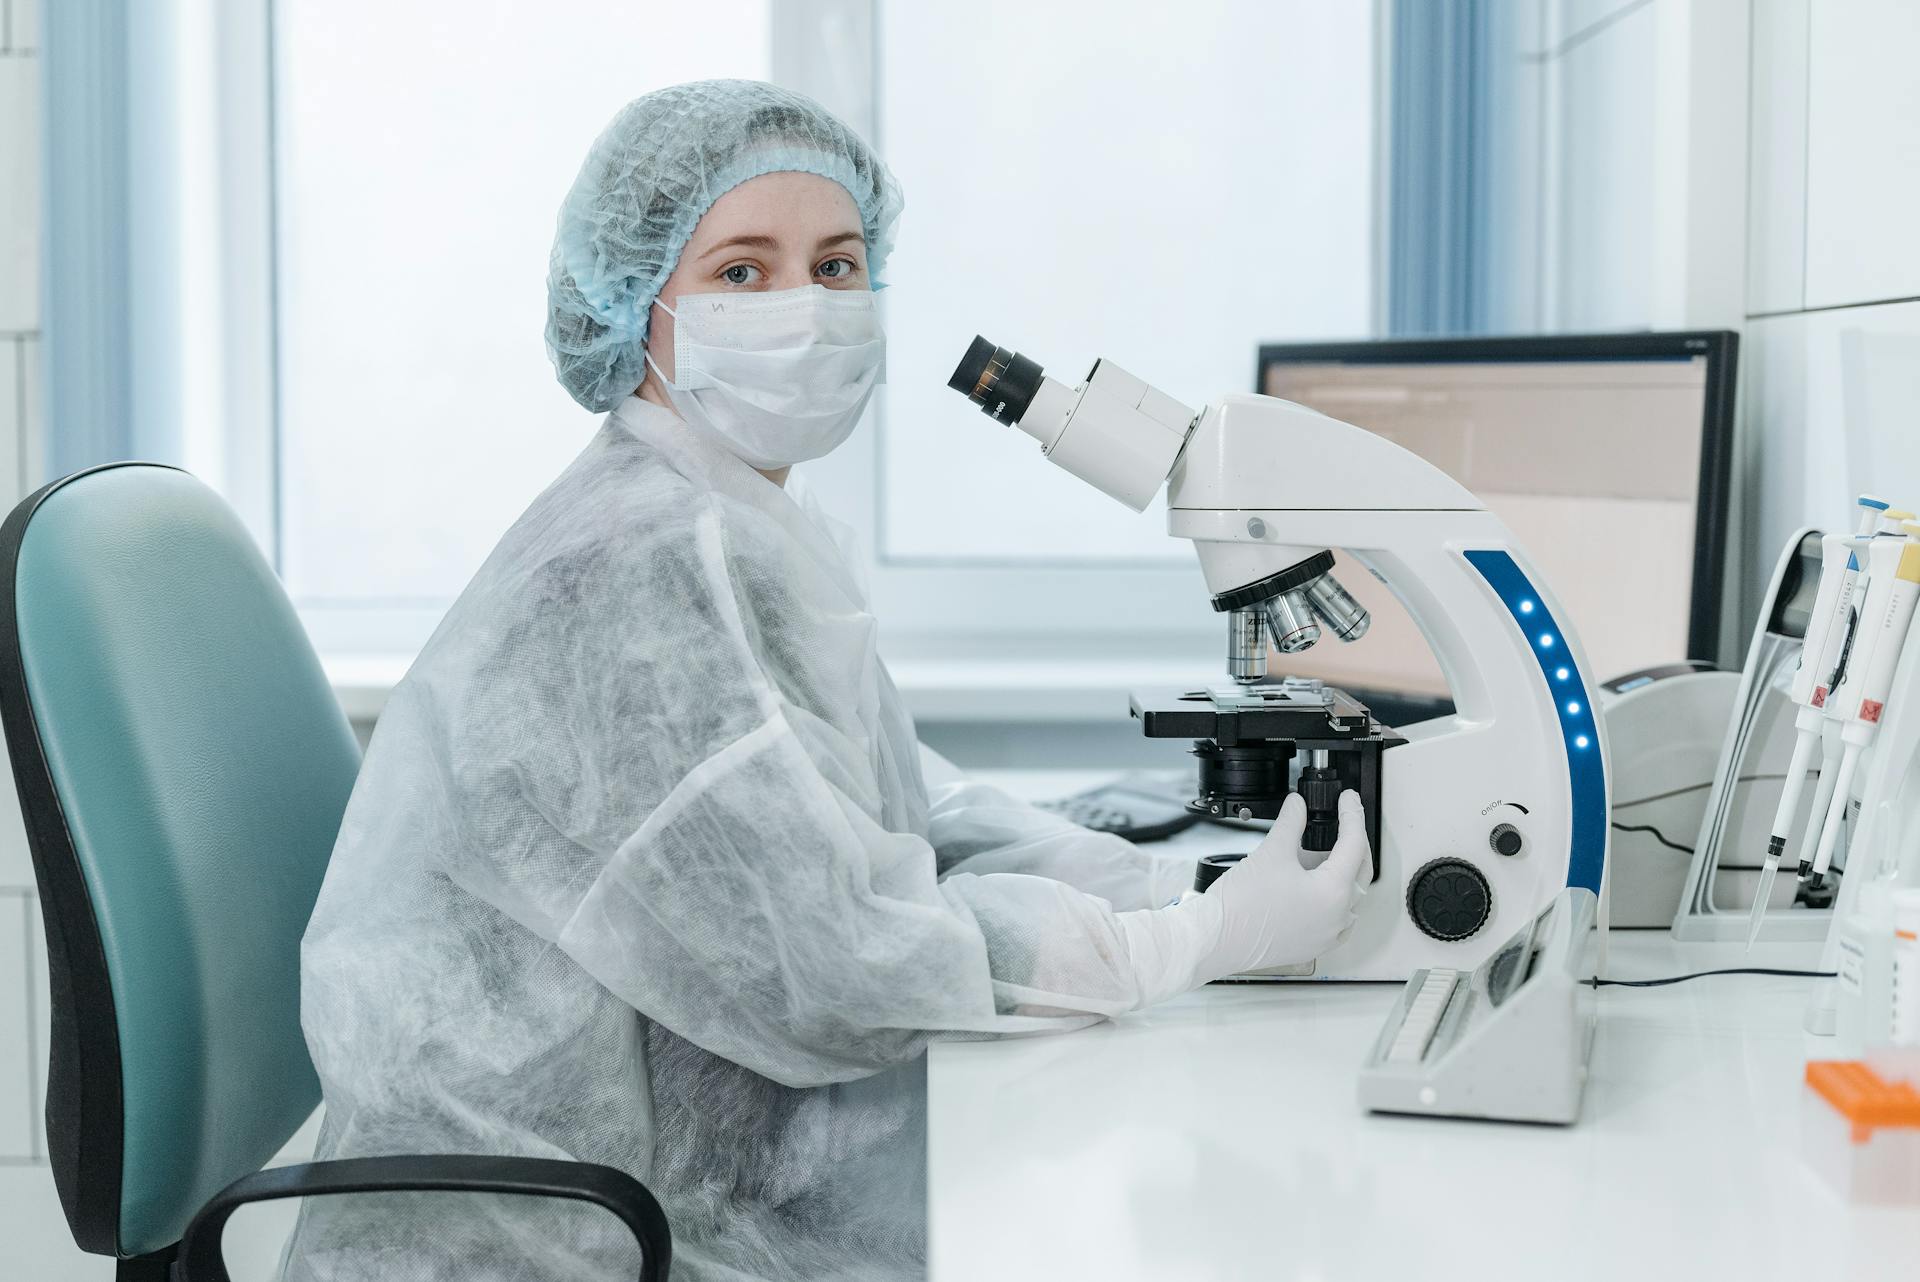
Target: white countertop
[(1217, 1137)]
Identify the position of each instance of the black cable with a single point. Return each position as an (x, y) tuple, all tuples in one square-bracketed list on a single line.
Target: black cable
[(1702, 974), (1671, 844), (1698, 787), (1658, 836)]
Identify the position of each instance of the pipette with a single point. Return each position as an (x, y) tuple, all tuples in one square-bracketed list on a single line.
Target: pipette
[(1843, 646), (1893, 572), (1819, 650)]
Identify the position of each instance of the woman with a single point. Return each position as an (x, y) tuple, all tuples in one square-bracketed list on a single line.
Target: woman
[(641, 868)]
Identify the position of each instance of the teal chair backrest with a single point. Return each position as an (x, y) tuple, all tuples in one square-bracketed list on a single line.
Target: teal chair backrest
[(182, 765)]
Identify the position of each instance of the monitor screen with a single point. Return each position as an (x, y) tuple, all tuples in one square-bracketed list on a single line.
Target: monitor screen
[(1595, 464)]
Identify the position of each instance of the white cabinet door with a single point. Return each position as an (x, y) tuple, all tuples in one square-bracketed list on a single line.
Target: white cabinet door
[(1777, 158), (1863, 152), (1831, 400)]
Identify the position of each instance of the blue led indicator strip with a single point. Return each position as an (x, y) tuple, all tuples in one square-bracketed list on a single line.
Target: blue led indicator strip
[(1586, 771)]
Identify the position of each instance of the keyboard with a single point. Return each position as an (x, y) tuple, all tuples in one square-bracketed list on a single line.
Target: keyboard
[(1140, 807), (1508, 1040)]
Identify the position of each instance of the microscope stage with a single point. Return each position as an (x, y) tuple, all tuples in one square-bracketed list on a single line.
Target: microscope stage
[(1293, 711)]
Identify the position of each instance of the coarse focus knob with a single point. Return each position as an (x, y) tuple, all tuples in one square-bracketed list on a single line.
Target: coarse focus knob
[(1449, 899), (1320, 788), (1505, 840)]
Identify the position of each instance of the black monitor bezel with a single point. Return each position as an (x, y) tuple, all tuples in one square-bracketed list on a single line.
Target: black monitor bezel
[(1713, 492)]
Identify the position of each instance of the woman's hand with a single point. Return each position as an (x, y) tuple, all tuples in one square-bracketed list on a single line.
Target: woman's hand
[(1274, 910), (1270, 909)]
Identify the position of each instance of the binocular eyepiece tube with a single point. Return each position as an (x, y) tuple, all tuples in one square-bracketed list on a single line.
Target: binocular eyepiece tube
[(1000, 381), (1122, 436), (1113, 431)]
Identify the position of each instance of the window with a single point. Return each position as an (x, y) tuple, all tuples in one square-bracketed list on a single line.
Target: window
[(423, 151), (1163, 186)]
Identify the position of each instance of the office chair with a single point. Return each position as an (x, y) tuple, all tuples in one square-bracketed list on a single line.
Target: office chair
[(182, 766)]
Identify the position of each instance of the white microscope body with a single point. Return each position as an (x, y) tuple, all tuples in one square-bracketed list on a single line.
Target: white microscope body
[(1484, 815)]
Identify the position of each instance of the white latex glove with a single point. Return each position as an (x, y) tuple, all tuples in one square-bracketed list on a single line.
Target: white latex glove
[(1269, 909)]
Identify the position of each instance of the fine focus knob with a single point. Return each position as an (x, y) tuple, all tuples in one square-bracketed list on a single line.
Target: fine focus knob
[(1505, 839), (1449, 899)]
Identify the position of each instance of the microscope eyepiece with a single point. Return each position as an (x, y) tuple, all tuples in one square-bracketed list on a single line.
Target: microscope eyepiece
[(1001, 382), (1113, 431)]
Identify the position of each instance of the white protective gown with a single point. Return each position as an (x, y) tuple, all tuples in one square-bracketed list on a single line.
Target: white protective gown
[(641, 870)]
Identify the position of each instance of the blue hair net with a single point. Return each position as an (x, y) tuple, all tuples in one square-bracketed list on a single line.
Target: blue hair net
[(650, 176)]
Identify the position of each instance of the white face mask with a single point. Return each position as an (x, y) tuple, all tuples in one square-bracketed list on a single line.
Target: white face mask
[(777, 378)]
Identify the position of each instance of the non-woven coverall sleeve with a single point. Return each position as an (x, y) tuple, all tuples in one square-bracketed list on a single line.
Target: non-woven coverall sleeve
[(631, 785), (977, 828), (766, 919)]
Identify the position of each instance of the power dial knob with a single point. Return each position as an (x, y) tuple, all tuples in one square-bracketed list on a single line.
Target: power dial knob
[(1449, 899), (1505, 840)]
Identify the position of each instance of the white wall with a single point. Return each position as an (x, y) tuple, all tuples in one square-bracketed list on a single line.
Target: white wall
[(1746, 164), (1619, 165), (1832, 357)]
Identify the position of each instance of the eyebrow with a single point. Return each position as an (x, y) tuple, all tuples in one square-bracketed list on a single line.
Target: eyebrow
[(769, 243), (743, 242)]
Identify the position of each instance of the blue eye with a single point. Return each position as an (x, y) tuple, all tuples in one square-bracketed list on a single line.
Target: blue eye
[(738, 274), (836, 268)]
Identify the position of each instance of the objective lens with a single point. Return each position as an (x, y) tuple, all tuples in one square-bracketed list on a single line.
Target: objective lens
[(1000, 381), (1337, 608), (1246, 646), (1290, 620)]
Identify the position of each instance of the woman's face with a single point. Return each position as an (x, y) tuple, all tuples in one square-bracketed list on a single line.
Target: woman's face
[(777, 231)]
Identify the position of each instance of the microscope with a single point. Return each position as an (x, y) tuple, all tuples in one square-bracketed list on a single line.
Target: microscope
[(1476, 820)]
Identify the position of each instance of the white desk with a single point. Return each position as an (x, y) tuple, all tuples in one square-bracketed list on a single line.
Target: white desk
[(1217, 1137)]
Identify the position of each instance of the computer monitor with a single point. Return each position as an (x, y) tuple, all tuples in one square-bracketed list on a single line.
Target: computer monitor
[(1606, 454)]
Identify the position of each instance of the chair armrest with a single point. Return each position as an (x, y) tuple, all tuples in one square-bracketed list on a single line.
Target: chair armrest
[(201, 1258)]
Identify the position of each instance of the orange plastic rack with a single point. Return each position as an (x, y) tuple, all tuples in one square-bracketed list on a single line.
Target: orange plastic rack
[(1863, 1097)]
